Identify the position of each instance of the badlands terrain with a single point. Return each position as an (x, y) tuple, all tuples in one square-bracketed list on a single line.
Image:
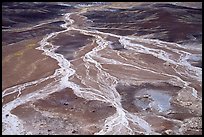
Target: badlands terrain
[(130, 68)]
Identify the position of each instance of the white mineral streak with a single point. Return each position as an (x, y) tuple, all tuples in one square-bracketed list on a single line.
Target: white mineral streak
[(12, 124)]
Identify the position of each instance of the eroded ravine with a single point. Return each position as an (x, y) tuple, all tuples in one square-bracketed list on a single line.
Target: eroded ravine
[(123, 121)]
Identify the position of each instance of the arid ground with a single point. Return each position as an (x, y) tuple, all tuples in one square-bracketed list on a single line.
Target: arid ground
[(115, 68)]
